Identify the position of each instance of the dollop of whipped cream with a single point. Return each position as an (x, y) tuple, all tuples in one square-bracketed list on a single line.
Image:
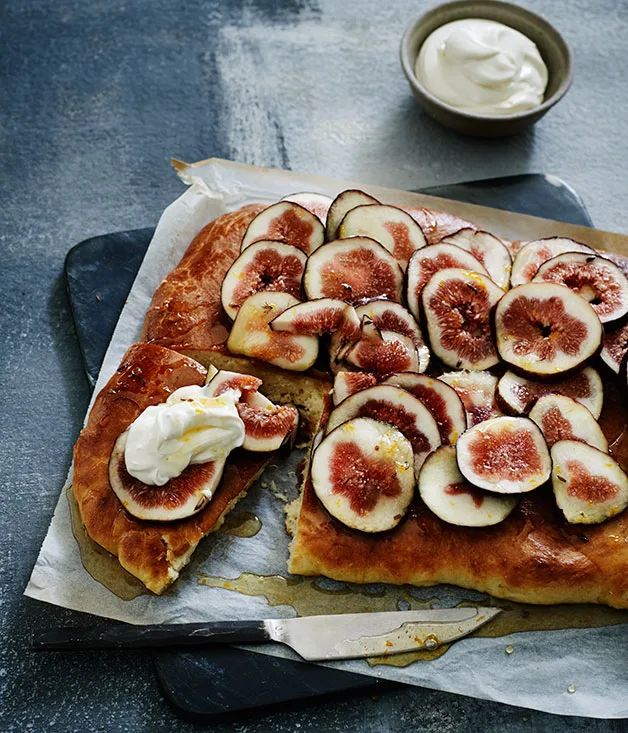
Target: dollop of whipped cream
[(190, 427), (483, 67)]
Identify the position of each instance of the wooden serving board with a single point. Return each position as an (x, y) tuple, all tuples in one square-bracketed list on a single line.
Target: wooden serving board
[(207, 683)]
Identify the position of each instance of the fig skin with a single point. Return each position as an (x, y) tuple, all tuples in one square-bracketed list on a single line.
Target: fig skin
[(612, 346)]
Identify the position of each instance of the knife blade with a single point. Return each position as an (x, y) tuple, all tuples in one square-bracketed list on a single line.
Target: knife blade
[(315, 638)]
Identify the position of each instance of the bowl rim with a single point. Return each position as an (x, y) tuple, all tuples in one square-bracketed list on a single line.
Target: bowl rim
[(408, 65)]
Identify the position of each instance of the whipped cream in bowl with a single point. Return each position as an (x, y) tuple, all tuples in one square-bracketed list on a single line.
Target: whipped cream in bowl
[(482, 66)]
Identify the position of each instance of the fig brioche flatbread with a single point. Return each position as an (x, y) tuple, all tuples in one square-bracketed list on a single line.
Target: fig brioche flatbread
[(154, 552)]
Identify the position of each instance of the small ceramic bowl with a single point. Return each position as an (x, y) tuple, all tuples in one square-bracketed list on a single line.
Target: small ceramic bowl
[(551, 44)]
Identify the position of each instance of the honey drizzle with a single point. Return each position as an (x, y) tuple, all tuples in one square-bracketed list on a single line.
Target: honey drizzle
[(244, 524), (100, 564)]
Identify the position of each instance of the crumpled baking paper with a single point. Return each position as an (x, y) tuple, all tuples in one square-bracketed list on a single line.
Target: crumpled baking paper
[(543, 665)]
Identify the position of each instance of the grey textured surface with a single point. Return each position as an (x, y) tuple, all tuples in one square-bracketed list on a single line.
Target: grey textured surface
[(95, 98)]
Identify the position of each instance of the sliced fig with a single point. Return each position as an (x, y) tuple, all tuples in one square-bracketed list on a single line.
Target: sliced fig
[(458, 306), (487, 249), (314, 317), (252, 336), (431, 259), (349, 331), (585, 387), (180, 497), (440, 399), (390, 226), (382, 352), (352, 270), (348, 383), (561, 418), (264, 266), (595, 279), (341, 205), (588, 484), (286, 222), (266, 426), (316, 203), (545, 329), (507, 455), (362, 474), (477, 390), (397, 407), (533, 254), (615, 347), (224, 380), (390, 316), (453, 499)]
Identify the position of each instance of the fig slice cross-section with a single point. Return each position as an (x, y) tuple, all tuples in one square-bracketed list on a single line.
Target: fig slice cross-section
[(546, 329), (561, 418), (487, 249), (348, 383), (353, 270), (615, 347), (518, 394), (431, 259), (595, 279), (382, 352), (252, 336), (390, 316), (178, 498), (264, 266), (458, 305), (341, 205), (314, 317), (477, 390), (316, 203), (533, 254), (286, 222), (588, 484), (348, 332), (266, 426), (395, 406), (224, 380), (506, 455), (362, 473), (392, 227), (440, 399), (453, 499)]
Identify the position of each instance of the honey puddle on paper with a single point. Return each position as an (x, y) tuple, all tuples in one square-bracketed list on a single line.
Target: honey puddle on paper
[(105, 568), (100, 564), (312, 596)]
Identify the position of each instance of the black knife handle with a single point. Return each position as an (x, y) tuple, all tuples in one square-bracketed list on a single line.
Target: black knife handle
[(128, 636)]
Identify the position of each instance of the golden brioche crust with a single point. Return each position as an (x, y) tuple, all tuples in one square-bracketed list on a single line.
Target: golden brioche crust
[(152, 551)]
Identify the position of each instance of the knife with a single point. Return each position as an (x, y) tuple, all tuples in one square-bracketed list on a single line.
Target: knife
[(315, 638)]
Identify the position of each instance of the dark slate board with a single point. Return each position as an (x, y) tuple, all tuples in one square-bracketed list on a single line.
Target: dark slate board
[(204, 684)]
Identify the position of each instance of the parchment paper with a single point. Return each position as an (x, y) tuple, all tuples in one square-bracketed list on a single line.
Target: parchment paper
[(543, 665)]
